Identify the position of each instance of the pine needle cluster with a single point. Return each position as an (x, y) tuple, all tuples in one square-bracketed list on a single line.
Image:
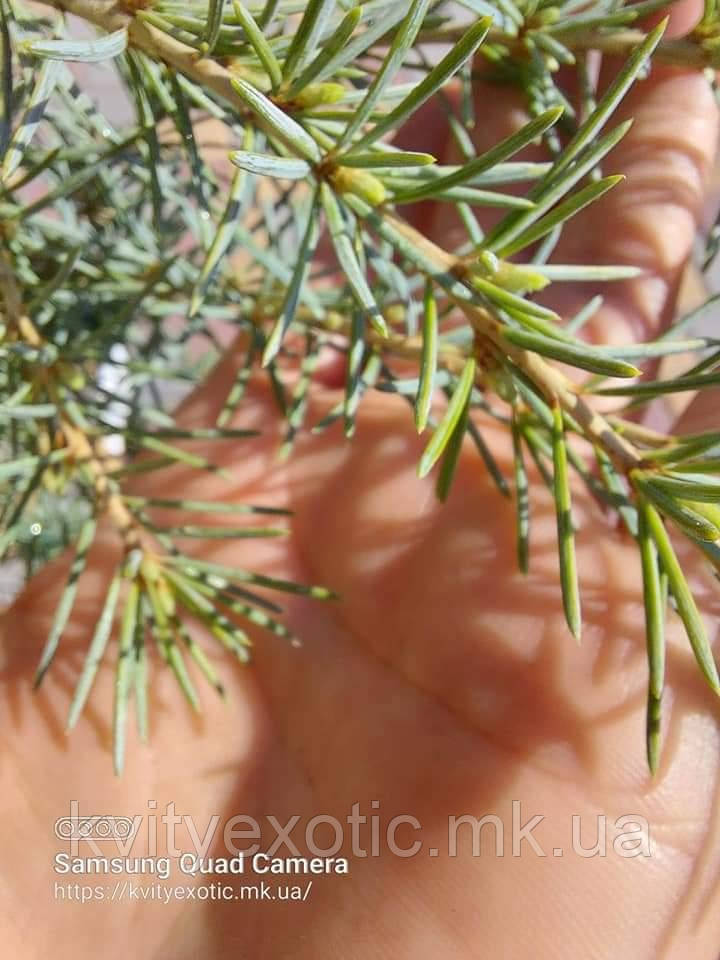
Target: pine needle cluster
[(106, 234)]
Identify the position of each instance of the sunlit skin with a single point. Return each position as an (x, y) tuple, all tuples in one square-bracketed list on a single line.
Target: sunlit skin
[(443, 682)]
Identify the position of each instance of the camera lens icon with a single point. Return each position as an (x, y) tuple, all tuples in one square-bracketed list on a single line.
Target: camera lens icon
[(94, 828)]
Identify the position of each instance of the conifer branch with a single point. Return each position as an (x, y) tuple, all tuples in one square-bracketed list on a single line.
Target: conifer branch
[(143, 228)]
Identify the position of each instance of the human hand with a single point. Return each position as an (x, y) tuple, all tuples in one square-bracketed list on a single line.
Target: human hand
[(442, 683)]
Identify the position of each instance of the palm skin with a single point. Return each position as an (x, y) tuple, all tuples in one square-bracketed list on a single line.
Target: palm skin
[(443, 682)]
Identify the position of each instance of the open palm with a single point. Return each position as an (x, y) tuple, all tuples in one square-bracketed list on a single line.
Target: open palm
[(443, 683)]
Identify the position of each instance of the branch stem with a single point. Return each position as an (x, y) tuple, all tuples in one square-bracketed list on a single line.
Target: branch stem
[(80, 446), (109, 15)]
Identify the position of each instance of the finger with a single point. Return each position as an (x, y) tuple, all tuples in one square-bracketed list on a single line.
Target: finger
[(500, 111), (650, 219), (682, 17), (441, 652), (701, 414), (434, 592)]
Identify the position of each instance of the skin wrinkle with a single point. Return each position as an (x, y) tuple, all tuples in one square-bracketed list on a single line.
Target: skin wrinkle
[(405, 672), (473, 731), (704, 857), (635, 238)]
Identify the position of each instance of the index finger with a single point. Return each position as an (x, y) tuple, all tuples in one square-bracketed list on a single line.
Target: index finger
[(650, 219)]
